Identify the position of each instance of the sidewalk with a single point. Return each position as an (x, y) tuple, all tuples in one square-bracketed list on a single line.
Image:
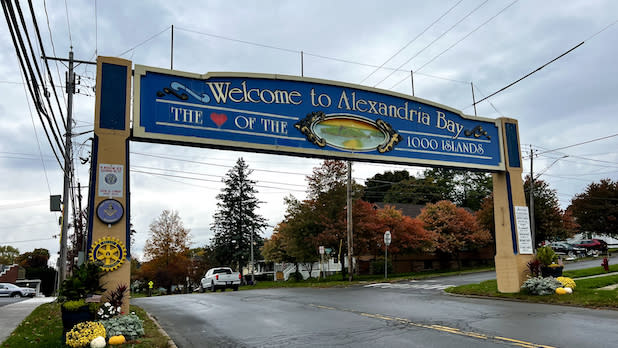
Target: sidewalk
[(13, 314)]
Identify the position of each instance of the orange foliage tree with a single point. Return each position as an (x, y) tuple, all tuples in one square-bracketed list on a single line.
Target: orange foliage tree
[(166, 251), (457, 229)]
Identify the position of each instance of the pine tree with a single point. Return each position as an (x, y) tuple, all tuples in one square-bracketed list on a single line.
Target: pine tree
[(236, 219)]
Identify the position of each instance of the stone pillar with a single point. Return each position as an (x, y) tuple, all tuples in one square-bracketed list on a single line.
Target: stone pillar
[(108, 201), (509, 193)]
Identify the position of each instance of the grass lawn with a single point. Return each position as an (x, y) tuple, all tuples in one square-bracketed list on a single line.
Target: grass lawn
[(43, 329), (585, 294)]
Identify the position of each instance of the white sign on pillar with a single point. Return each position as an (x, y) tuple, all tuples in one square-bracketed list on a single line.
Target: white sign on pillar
[(524, 236)]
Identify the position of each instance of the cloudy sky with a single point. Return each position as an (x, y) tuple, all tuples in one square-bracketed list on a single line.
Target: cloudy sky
[(448, 44)]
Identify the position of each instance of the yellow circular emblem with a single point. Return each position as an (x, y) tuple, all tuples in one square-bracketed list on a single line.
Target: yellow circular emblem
[(108, 252)]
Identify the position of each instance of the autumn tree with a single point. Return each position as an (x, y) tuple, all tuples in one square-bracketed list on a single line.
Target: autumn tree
[(548, 217), (485, 215), (457, 229), (166, 251), (8, 254), (35, 264), (236, 218), (200, 261), (596, 209)]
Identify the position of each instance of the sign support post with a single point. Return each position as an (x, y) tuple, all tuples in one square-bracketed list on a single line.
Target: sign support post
[(108, 201)]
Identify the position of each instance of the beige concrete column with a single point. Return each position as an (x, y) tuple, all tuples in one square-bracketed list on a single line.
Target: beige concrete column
[(508, 193), (112, 131)]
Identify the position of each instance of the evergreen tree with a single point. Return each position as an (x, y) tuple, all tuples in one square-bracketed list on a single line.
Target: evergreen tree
[(236, 219)]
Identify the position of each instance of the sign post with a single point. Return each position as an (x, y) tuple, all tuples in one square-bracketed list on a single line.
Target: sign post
[(387, 242), (321, 260)]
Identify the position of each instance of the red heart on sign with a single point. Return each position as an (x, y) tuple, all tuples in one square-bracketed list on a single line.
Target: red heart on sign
[(218, 119)]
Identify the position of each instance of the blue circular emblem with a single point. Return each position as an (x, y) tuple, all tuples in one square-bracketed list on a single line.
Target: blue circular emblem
[(111, 178), (110, 211)]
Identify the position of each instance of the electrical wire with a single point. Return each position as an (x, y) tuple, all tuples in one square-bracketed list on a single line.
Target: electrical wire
[(457, 42), (530, 73), (411, 41), (578, 144), (143, 42), (15, 36), (51, 80), (66, 8), (51, 40), (305, 53), (432, 42)]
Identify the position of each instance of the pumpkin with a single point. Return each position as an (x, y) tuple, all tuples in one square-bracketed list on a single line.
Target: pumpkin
[(568, 290), (98, 342), (114, 340), (561, 291)]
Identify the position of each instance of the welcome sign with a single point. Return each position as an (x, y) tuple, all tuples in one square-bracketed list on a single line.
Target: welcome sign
[(308, 117)]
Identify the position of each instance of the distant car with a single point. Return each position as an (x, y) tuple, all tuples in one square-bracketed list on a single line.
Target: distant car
[(592, 244), (567, 249), (12, 290)]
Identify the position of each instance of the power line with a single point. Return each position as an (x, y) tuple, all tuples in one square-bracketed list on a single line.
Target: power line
[(578, 144), (27, 71), (341, 60), (457, 42), (432, 42), (530, 73), (51, 40), (143, 42), (66, 8), (411, 41)]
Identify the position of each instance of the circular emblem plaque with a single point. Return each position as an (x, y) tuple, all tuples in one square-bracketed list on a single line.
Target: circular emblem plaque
[(109, 252), (110, 211), (111, 178)]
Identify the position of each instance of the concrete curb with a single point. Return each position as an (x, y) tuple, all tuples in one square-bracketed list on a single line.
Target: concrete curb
[(170, 342)]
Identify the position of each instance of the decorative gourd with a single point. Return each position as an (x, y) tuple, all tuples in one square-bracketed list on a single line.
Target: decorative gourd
[(98, 342), (568, 290), (114, 340), (561, 291)]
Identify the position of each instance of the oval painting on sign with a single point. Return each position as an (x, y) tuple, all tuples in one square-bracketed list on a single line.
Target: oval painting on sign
[(345, 132)]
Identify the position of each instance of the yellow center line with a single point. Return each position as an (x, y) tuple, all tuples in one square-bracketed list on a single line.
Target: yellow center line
[(442, 328)]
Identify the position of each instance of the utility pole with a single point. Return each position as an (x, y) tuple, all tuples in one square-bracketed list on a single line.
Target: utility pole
[(70, 89), (252, 264), (531, 193), (349, 218), (82, 234)]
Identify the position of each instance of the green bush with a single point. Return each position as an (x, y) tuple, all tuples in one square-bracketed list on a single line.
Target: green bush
[(83, 282), (541, 286), (546, 255), (72, 306), (377, 267), (130, 326)]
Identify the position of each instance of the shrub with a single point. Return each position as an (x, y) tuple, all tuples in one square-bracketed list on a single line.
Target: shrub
[(541, 286), (546, 255), (83, 333), (566, 282), (534, 267), (116, 296), (130, 326), (72, 306)]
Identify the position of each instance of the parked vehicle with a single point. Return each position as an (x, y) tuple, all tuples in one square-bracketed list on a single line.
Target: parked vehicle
[(592, 244), (567, 249), (220, 278), (12, 290)]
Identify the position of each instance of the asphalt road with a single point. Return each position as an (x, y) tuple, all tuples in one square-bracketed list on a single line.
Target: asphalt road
[(9, 300), (404, 314)]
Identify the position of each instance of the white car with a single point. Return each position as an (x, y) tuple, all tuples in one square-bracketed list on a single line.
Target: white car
[(12, 290)]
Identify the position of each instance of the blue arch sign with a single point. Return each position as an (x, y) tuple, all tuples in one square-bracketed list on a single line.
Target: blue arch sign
[(308, 117)]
